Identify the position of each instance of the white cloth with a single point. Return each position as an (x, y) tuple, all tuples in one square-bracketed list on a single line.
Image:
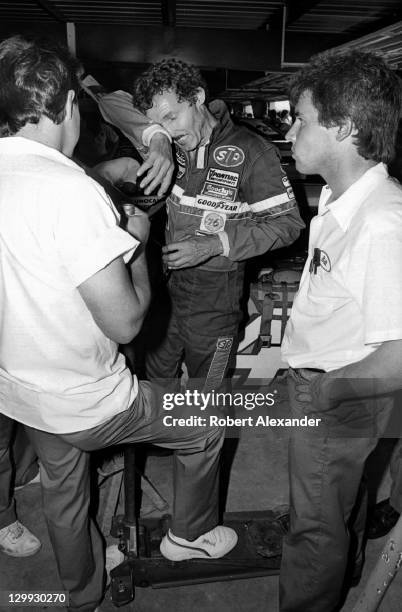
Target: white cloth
[(352, 303), (58, 371)]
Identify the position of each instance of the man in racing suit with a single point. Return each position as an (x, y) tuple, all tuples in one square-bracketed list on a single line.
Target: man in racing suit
[(231, 201)]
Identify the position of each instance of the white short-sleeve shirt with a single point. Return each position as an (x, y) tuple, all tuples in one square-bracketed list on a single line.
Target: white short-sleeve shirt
[(350, 301), (58, 371)]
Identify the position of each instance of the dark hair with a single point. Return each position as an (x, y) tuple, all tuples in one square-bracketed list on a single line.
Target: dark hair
[(168, 75), (35, 77), (354, 85)]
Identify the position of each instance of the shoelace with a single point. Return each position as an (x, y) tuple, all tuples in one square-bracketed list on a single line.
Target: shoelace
[(16, 530), (211, 542)]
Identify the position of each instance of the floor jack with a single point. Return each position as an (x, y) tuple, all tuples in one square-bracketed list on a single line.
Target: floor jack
[(256, 554)]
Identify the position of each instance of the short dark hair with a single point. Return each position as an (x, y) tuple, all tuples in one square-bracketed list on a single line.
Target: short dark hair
[(168, 75), (354, 85), (35, 78)]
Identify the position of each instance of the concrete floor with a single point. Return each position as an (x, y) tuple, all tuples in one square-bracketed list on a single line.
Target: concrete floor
[(258, 482)]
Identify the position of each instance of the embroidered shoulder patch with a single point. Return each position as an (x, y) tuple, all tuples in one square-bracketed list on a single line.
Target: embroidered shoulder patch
[(229, 156)]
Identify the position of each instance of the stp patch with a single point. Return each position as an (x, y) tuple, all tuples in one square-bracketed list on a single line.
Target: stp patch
[(229, 156)]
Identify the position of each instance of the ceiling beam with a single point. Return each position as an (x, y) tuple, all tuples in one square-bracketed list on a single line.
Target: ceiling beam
[(294, 10), (373, 26), (297, 8), (52, 10), (169, 13), (231, 49)]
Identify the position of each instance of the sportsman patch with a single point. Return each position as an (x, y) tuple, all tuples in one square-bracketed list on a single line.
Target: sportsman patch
[(285, 181), (290, 193), (217, 368), (210, 203), (212, 222), (219, 191), (229, 156), (223, 177), (224, 344), (181, 158)]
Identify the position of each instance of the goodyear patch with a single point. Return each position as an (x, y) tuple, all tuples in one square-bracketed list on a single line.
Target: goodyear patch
[(223, 177), (212, 222), (219, 191), (210, 203), (229, 156)]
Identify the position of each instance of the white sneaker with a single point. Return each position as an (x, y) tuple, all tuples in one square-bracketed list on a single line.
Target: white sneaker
[(212, 545), (114, 557), (17, 541)]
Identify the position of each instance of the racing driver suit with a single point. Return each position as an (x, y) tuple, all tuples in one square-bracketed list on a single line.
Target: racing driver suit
[(235, 188)]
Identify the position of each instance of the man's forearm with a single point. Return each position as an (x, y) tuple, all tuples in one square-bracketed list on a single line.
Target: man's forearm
[(255, 236), (140, 280), (377, 374)]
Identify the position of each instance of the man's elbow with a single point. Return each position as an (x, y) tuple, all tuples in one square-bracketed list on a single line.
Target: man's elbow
[(129, 331), (294, 225)]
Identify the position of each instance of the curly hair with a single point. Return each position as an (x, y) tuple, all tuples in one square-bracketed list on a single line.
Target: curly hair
[(354, 85), (35, 78), (167, 75)]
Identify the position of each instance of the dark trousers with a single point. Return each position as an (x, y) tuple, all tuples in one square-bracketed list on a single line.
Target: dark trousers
[(65, 486), (7, 504), (325, 474), (202, 327), (18, 465), (396, 474)]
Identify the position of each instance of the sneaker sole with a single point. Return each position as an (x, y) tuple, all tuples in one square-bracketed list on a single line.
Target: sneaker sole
[(185, 554), (26, 554)]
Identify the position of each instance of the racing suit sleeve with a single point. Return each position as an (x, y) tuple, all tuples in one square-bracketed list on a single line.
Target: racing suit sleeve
[(117, 108), (271, 219)]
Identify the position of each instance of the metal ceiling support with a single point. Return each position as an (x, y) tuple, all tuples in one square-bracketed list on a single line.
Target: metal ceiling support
[(52, 10), (297, 8), (71, 38), (285, 64), (168, 12)]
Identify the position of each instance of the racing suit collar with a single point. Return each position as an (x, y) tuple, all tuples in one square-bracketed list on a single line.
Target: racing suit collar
[(219, 110)]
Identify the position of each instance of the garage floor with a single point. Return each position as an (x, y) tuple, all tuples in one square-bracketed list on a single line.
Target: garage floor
[(258, 481)]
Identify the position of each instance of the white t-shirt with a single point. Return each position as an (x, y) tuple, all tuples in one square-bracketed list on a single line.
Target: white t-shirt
[(58, 371), (353, 302)]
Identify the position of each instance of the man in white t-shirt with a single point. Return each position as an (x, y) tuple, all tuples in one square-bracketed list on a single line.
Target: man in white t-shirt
[(67, 301), (343, 341)]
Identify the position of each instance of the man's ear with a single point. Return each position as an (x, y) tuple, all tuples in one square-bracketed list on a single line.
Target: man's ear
[(200, 96), (69, 106), (345, 129)]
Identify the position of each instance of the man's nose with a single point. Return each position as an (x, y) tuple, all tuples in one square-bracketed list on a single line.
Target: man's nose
[(291, 134)]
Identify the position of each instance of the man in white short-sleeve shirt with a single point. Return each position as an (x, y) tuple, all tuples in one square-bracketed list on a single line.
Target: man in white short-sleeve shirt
[(67, 301), (343, 341)]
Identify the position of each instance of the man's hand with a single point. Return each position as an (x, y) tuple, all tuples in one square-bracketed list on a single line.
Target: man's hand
[(119, 170), (137, 223), (158, 166), (191, 251)]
